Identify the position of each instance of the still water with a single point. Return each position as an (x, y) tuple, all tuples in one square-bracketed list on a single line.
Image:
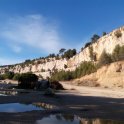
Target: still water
[(49, 119), (59, 119), (18, 107)]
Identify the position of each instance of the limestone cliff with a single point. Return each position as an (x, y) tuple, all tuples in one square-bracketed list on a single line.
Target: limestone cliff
[(107, 43), (42, 69)]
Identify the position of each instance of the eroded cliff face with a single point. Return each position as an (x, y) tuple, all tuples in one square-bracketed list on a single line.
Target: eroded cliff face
[(107, 43), (41, 69)]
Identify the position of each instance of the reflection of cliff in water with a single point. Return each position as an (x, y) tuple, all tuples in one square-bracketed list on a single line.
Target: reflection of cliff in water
[(99, 121), (8, 93), (73, 118), (44, 105)]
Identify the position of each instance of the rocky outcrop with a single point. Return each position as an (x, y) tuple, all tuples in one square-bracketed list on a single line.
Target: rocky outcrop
[(45, 67)]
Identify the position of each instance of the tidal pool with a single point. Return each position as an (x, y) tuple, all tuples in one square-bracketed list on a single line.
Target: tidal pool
[(73, 119), (18, 107)]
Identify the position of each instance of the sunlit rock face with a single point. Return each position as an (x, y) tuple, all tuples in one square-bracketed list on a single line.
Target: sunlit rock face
[(43, 69), (107, 43)]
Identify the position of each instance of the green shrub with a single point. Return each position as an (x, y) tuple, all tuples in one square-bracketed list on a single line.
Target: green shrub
[(118, 53), (16, 76), (92, 54), (57, 57), (62, 75), (115, 54), (51, 55), (62, 50), (104, 33), (27, 81), (95, 38), (84, 69), (1, 77), (69, 53), (104, 59), (87, 44), (8, 75)]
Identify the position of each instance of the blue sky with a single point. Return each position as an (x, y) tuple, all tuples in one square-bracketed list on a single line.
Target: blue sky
[(34, 28)]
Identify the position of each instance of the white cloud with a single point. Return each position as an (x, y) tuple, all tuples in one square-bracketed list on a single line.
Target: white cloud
[(34, 31)]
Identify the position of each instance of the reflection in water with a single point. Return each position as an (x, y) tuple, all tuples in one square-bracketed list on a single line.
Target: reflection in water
[(5, 93), (23, 107), (44, 105), (99, 121), (2, 94), (59, 119), (73, 119), (12, 92), (67, 117), (17, 107)]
